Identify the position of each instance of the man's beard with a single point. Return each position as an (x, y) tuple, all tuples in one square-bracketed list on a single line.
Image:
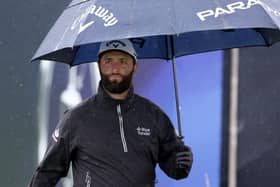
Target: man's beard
[(115, 86)]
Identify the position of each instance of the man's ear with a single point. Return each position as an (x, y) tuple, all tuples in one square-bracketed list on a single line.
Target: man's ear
[(135, 67)]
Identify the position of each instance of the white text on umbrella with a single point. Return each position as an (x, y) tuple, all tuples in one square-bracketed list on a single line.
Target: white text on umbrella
[(107, 16), (232, 8)]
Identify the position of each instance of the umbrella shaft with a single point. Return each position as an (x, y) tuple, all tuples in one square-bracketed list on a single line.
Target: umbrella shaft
[(176, 88)]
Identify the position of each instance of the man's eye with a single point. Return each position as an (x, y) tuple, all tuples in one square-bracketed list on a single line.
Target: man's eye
[(123, 61), (107, 61)]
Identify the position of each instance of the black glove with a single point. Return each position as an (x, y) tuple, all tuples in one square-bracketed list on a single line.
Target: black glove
[(184, 160)]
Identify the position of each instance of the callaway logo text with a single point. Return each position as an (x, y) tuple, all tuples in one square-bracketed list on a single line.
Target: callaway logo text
[(107, 16)]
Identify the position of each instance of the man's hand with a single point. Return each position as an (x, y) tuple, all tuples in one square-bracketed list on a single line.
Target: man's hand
[(184, 159)]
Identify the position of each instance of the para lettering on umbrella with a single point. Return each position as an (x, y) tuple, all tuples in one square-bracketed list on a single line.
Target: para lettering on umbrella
[(230, 9)]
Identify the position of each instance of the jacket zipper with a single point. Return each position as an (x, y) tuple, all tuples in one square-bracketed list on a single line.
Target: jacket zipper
[(121, 128)]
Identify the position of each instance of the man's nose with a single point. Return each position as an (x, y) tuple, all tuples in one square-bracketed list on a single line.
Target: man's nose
[(115, 66)]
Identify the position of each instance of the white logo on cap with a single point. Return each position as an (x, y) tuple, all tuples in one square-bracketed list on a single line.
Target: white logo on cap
[(124, 45)]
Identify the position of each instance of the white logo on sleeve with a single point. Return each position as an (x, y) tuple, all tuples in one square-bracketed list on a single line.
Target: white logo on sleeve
[(55, 135), (143, 131)]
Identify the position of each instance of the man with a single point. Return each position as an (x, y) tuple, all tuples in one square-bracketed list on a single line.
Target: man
[(115, 138)]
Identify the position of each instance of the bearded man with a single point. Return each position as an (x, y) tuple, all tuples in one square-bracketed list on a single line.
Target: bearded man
[(116, 137)]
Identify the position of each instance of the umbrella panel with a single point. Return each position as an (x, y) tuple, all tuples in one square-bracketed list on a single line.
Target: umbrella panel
[(159, 47)]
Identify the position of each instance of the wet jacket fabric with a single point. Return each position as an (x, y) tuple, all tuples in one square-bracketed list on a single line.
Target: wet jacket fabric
[(111, 143)]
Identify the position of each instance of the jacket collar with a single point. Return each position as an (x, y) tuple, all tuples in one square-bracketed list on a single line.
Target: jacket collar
[(104, 99)]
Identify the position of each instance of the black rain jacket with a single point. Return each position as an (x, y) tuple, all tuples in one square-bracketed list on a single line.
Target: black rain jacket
[(111, 143)]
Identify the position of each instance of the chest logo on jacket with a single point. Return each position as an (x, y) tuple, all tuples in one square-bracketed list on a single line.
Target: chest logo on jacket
[(143, 131)]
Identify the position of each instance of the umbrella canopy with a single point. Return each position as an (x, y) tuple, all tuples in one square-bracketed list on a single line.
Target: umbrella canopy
[(163, 29), (196, 26)]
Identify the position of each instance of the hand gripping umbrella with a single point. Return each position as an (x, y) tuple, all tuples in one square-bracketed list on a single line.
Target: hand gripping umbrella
[(163, 29)]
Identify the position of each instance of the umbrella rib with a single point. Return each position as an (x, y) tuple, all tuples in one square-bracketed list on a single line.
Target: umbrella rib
[(70, 6)]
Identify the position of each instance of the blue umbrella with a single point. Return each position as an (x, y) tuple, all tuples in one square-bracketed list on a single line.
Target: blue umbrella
[(163, 29)]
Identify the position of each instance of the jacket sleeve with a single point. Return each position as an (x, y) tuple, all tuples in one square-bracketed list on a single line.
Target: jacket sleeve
[(56, 161), (170, 144)]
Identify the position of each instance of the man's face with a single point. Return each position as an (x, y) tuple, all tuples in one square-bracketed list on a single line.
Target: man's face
[(116, 69)]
